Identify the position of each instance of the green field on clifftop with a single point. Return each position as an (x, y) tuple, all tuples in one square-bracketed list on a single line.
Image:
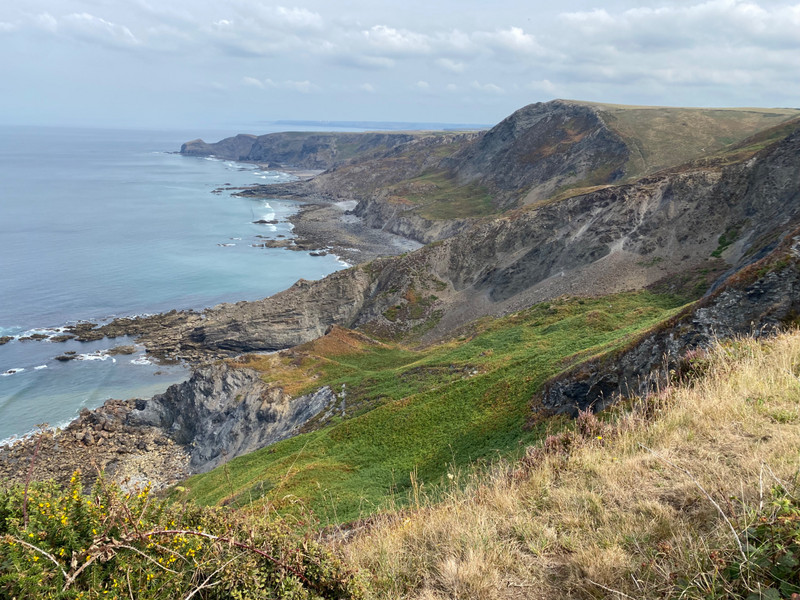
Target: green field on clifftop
[(415, 414)]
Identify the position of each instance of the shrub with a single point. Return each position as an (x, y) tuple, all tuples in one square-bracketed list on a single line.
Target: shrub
[(58, 543)]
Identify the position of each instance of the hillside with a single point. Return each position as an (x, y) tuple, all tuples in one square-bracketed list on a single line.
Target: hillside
[(681, 229), (306, 150), (546, 150), (691, 493), (430, 415)]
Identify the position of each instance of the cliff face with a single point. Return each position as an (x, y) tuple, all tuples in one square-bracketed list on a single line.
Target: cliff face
[(233, 148), (299, 149), (615, 239), (761, 300), (221, 413), (541, 149)]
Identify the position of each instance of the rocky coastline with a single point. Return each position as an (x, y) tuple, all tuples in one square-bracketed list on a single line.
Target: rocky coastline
[(216, 415)]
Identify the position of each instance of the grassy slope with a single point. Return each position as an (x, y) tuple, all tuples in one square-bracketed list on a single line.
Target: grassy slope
[(432, 409), (659, 137), (629, 508), (438, 196), (662, 137)]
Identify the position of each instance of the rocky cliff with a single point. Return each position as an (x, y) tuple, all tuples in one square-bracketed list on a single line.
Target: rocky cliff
[(624, 237), (233, 148), (221, 413), (299, 149), (541, 149), (758, 301)]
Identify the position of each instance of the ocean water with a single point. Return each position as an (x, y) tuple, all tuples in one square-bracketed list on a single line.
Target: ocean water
[(96, 224)]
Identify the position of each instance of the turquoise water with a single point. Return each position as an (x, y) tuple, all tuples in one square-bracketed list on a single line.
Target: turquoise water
[(96, 224)]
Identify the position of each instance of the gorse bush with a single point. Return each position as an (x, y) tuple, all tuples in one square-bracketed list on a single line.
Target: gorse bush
[(58, 543)]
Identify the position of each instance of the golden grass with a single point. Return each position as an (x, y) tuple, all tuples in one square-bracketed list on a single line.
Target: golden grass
[(628, 512)]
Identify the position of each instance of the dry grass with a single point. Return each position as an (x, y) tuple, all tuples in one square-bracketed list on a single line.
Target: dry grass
[(628, 511)]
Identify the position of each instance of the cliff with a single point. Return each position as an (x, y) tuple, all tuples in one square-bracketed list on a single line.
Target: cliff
[(299, 149), (673, 225)]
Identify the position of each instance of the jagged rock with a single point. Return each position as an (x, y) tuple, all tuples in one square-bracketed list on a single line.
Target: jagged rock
[(761, 300), (222, 412)]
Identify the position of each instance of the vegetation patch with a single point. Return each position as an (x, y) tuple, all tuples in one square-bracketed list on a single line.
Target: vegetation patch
[(437, 196), (431, 409), (692, 493), (726, 239), (111, 543)]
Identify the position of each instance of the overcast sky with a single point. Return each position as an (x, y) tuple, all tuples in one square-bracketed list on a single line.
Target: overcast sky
[(221, 63)]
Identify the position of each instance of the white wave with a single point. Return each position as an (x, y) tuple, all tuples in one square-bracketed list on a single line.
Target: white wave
[(226, 245), (12, 372), (236, 238), (268, 217), (267, 205), (98, 355), (48, 331), (141, 360), (40, 367), (344, 263)]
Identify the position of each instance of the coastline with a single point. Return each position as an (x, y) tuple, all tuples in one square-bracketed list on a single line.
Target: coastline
[(102, 439), (332, 225)]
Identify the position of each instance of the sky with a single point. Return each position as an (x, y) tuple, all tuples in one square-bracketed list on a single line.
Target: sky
[(238, 63)]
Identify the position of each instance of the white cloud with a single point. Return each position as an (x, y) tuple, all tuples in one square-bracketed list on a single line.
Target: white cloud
[(388, 41), (451, 65), (6, 27), (489, 88), (422, 85), (303, 87), (513, 40), (367, 87), (299, 18), (94, 29), (253, 82), (543, 85), (46, 21)]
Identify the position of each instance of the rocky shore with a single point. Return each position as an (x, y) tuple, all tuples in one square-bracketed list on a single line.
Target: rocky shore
[(220, 413)]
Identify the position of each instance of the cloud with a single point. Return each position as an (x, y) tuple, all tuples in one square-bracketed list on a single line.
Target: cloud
[(489, 88), (362, 62), (451, 65), (299, 18), (89, 28), (422, 85), (303, 87), (387, 41), (253, 82), (6, 27), (513, 40), (366, 87), (46, 21)]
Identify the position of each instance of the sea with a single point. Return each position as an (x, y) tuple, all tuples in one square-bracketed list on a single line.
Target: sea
[(97, 224)]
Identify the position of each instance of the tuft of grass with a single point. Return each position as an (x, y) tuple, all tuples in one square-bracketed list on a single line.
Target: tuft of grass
[(690, 493), (420, 411)]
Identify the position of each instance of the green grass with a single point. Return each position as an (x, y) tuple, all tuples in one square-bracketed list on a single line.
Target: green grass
[(433, 409), (668, 136), (439, 196)]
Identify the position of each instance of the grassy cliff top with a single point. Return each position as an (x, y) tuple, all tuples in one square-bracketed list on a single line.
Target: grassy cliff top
[(661, 136)]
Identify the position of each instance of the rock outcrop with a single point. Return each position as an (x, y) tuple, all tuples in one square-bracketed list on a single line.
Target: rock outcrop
[(762, 299), (540, 149), (299, 149), (233, 148), (222, 412)]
